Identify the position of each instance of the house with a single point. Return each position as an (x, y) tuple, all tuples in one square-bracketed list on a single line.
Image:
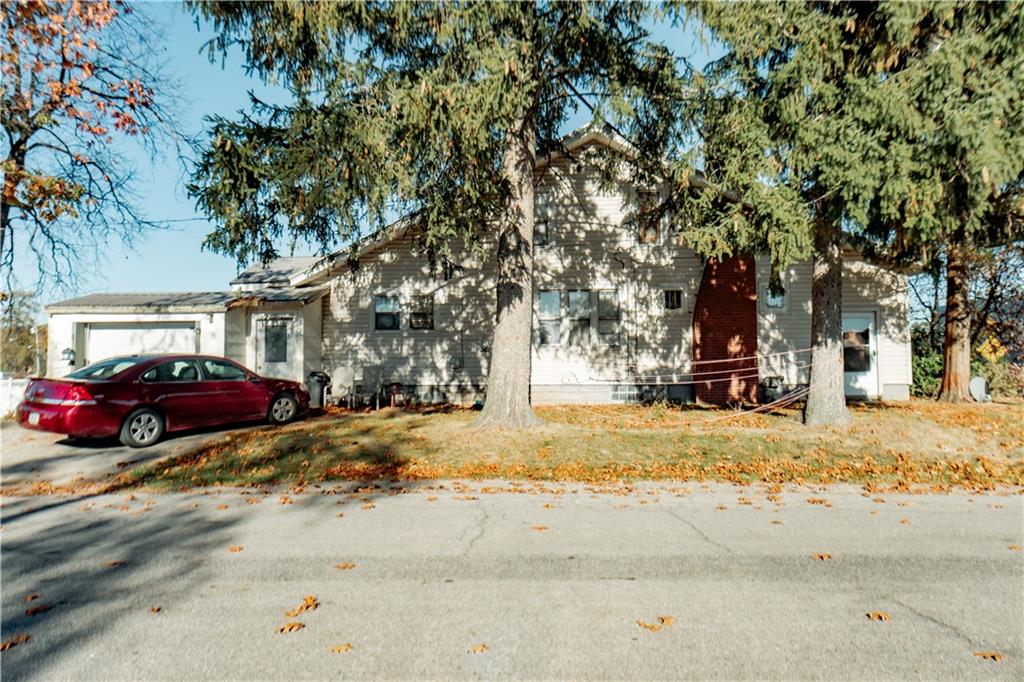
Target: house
[(622, 311)]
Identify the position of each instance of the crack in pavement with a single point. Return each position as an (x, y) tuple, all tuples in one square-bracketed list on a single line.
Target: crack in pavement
[(924, 616), (704, 536), (481, 522)]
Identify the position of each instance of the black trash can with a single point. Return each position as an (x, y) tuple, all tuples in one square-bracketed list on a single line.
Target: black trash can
[(317, 383)]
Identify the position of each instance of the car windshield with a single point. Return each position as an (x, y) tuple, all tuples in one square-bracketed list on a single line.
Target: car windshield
[(104, 369)]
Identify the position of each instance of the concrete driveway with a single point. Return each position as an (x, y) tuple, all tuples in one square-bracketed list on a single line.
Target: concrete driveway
[(452, 581), (31, 456)]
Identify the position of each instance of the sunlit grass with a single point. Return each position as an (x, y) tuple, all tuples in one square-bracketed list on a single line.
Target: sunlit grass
[(918, 443)]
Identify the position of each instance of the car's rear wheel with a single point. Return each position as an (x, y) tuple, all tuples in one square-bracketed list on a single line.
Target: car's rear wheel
[(283, 408), (142, 428)]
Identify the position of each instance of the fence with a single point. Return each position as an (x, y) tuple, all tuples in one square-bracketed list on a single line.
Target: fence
[(11, 391)]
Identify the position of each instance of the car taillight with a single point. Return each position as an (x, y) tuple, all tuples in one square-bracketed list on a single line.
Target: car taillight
[(78, 395)]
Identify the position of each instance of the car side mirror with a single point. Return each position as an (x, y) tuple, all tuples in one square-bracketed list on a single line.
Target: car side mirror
[(255, 379)]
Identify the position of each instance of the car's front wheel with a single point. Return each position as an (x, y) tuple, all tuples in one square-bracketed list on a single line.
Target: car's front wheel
[(283, 408), (142, 428)]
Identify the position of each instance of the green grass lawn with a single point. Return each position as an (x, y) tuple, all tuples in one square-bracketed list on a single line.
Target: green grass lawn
[(917, 444)]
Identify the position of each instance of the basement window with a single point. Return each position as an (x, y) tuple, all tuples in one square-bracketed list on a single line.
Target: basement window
[(549, 317), (673, 299), (421, 316), (386, 313)]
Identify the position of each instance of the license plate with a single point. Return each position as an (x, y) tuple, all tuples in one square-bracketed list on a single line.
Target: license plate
[(33, 418)]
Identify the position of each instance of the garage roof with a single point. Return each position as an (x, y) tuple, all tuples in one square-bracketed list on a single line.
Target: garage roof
[(277, 271), (188, 301)]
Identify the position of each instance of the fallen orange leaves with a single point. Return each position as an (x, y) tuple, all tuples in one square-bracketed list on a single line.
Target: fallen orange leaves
[(345, 565), (990, 655), (878, 615), (478, 649), (821, 557), (309, 603), (114, 564), (36, 610), (14, 641), (32, 597), (540, 529), (1013, 548), (155, 609), (290, 627), (235, 549), (341, 648), (663, 622)]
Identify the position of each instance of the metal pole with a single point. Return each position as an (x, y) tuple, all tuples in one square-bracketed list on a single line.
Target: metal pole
[(35, 330)]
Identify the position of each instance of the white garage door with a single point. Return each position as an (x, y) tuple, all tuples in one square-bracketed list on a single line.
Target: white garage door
[(110, 340)]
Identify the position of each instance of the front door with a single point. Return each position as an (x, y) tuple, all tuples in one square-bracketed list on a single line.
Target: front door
[(860, 355), (276, 354)]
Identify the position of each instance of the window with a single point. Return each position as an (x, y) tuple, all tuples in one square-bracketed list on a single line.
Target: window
[(673, 299), (857, 351), (579, 317), (608, 316), (219, 370), (421, 316), (386, 315), (176, 370), (542, 233), (550, 318), (647, 231), (774, 300), (104, 369), (275, 341)]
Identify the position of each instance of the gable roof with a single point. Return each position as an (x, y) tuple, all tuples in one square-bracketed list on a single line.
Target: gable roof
[(321, 266)]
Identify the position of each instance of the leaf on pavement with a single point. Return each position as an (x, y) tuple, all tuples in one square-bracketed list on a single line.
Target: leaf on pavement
[(663, 622), (478, 649), (540, 529), (821, 557), (432, 498), (1013, 548), (290, 627), (878, 615), (345, 565), (36, 610), (114, 564), (156, 609), (819, 501), (549, 506), (341, 648), (776, 522), (369, 506), (905, 522), (32, 597), (14, 641), (235, 549), (990, 655), (308, 604), (253, 500), (284, 499)]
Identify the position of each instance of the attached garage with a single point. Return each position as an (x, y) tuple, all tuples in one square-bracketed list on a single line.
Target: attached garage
[(90, 328)]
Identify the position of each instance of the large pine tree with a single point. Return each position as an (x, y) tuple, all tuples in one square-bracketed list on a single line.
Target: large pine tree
[(891, 125), (433, 110)]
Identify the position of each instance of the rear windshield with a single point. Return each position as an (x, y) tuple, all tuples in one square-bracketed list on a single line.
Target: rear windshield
[(104, 369)]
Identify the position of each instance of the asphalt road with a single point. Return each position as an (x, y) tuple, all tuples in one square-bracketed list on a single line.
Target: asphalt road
[(551, 584)]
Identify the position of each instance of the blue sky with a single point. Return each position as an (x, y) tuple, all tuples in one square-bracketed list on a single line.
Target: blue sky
[(172, 259)]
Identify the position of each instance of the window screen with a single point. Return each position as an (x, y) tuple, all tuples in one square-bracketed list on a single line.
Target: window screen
[(608, 316), (673, 299), (275, 342), (386, 315), (550, 318), (421, 315)]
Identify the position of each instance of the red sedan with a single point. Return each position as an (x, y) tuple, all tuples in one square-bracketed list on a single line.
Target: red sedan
[(141, 397)]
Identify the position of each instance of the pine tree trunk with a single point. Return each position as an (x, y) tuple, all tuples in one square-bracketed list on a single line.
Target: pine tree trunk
[(507, 402), (956, 355), (826, 401)]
